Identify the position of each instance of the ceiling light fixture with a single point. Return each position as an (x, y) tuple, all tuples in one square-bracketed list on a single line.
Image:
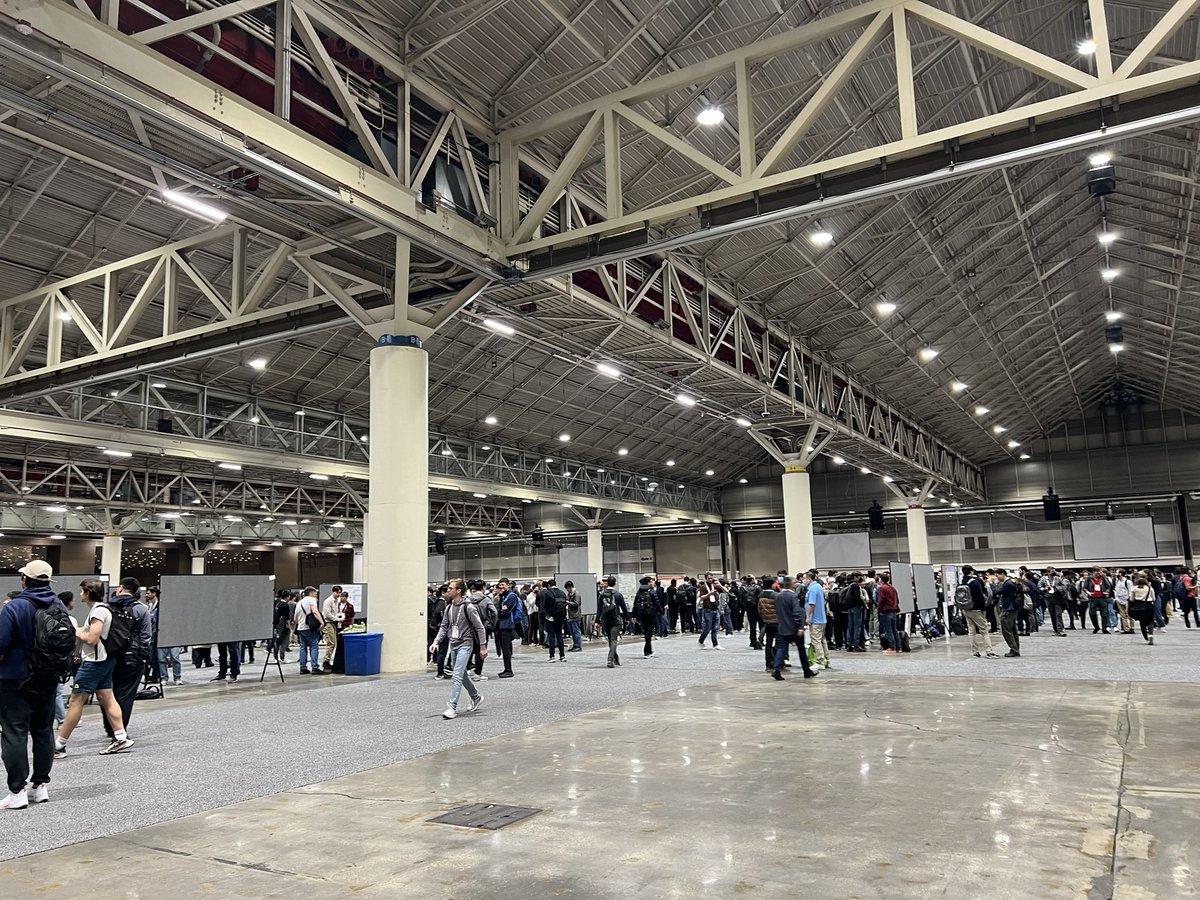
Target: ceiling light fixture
[(957, 387), (1013, 445), (742, 422), (195, 206), (885, 307), (865, 470), (479, 496), (1024, 456), (743, 481), (317, 476), (1086, 47), (490, 420), (158, 385), (998, 429), (1099, 159), (232, 467), (670, 462), (121, 453), (820, 238), (499, 327), (257, 364), (1116, 348), (710, 115), (981, 410), (1112, 315), (564, 437), (254, 420), (685, 400), (1106, 238), (709, 472), (839, 461), (927, 354), (888, 479), (606, 369), (622, 452), (1109, 274)]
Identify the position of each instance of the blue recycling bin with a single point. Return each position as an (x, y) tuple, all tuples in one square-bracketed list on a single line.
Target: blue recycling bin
[(362, 652)]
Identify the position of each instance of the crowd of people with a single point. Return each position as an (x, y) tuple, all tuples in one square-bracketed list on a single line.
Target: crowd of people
[(44, 647)]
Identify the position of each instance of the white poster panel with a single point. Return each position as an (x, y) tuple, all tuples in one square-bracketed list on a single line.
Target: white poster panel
[(437, 569), (848, 550)]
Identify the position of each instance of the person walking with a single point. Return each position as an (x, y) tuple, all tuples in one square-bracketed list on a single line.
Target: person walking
[(134, 656), (790, 616), (750, 594), (645, 607), (1141, 606), (574, 617), (1011, 603), (27, 694), (770, 624), (710, 612), (462, 627), (553, 604), (611, 616)]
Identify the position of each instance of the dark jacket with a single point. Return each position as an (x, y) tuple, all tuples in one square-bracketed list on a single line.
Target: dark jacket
[(16, 629), (788, 612), (506, 605), (614, 616), (651, 596), (552, 604), (979, 597), (1010, 596), (141, 641)]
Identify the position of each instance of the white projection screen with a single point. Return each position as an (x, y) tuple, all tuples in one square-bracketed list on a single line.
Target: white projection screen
[(1114, 540), (843, 551)]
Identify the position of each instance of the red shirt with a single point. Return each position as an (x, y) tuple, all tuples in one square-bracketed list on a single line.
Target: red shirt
[(887, 598)]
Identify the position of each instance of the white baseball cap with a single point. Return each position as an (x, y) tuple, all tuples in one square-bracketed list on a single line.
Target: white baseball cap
[(37, 569)]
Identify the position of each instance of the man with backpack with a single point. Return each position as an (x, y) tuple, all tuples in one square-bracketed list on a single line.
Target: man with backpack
[(611, 616), (95, 675), (130, 642), (36, 645), (750, 594), (645, 607), (308, 622), (972, 601)]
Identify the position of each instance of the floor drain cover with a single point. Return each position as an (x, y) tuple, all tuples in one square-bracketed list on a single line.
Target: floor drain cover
[(485, 815)]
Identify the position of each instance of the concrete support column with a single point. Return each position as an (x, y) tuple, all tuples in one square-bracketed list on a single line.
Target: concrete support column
[(595, 548), (918, 535), (198, 564), (798, 519), (397, 544), (110, 557)]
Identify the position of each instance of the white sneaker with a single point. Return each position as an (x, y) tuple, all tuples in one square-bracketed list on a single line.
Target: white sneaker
[(450, 713), (475, 704), (178, 682), (718, 647), (38, 793), (479, 678), (19, 800)]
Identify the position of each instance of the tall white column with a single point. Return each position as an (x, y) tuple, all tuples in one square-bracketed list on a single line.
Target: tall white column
[(595, 548), (397, 544), (798, 519), (358, 570), (918, 535), (110, 557), (198, 564)]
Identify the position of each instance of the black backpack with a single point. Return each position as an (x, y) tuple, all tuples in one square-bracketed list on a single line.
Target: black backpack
[(488, 615), (119, 642), (644, 602), (52, 654), (608, 601)]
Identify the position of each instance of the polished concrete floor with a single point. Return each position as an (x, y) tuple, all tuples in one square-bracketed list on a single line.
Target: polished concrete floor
[(689, 774)]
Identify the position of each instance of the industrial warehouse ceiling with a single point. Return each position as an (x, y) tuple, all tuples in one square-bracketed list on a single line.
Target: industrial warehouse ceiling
[(974, 307)]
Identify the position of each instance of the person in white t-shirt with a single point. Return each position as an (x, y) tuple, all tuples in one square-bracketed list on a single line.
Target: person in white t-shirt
[(310, 637), (94, 677)]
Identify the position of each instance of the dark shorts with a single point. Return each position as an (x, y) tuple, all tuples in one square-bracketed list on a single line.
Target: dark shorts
[(94, 676)]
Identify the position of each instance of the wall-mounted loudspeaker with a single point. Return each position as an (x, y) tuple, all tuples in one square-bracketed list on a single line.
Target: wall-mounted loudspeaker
[(875, 514), (1050, 507)]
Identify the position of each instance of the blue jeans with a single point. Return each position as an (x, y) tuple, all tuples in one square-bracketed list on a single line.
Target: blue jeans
[(854, 627), (710, 624), (461, 656), (1159, 621), (1112, 613), (310, 639), (168, 661), (726, 623), (576, 633), (889, 628)]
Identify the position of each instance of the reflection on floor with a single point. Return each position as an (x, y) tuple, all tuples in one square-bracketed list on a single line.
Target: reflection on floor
[(852, 785)]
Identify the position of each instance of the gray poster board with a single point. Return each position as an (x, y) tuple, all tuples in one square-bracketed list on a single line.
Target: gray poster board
[(573, 559), (850, 550), (358, 596), (902, 581), (585, 587), (926, 585), (210, 609)]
